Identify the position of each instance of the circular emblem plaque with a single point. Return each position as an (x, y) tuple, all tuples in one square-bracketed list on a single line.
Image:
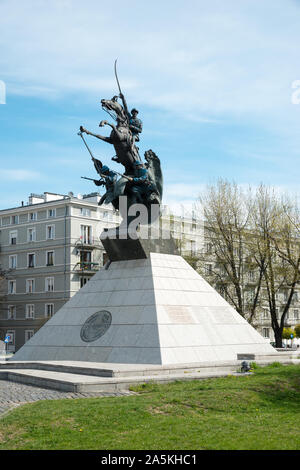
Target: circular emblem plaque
[(95, 326)]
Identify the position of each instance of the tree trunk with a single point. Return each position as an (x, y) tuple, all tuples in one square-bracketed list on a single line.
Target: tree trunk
[(278, 337)]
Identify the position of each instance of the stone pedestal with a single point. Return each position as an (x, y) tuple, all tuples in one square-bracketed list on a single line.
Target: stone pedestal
[(152, 310), (124, 244)]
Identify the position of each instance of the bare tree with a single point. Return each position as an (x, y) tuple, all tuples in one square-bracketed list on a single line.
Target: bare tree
[(256, 244), (277, 223), (227, 215)]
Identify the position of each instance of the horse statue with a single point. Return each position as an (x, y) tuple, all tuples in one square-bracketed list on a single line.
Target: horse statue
[(120, 136), (128, 155)]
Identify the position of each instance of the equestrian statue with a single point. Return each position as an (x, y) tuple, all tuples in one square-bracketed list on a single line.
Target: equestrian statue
[(141, 182)]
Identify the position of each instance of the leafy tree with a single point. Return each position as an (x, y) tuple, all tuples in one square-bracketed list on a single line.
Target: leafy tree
[(297, 331), (287, 332)]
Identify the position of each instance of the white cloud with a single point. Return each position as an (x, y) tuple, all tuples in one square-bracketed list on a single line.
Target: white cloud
[(182, 190), (181, 198), (203, 62), (203, 59), (8, 175)]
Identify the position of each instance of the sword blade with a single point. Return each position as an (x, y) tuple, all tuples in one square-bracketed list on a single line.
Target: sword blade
[(117, 76)]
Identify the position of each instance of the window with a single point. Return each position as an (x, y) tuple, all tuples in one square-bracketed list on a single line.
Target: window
[(50, 258), (28, 334), (85, 259), (105, 258), (251, 275), (83, 281), (222, 290), (12, 286), (14, 219), (29, 311), (266, 332), (208, 269), (11, 312), (31, 260), (265, 313), (193, 247), (250, 295), (296, 314), (49, 310), (208, 247), (51, 213), (30, 286), (13, 237), (49, 284), (85, 212), (12, 261), (32, 216), (86, 234), (31, 235), (50, 232), (11, 333)]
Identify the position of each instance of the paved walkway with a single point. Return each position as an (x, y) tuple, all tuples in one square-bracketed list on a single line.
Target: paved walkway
[(14, 394)]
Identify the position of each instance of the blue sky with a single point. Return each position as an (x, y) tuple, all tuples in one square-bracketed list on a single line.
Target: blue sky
[(212, 81)]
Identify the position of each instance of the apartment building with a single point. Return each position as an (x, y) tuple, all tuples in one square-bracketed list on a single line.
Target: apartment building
[(216, 275), (50, 248)]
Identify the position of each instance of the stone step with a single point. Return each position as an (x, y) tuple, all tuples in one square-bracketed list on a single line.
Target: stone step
[(119, 370), (78, 383), (63, 377)]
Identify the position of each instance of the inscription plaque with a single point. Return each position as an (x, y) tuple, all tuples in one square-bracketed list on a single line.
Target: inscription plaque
[(96, 326), (179, 314)]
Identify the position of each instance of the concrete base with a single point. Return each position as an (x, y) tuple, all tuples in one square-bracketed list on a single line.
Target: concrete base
[(157, 310), (95, 377)]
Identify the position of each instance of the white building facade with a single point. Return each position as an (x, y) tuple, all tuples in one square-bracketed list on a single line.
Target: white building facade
[(50, 248)]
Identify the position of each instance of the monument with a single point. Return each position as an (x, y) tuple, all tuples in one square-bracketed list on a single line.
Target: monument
[(147, 305)]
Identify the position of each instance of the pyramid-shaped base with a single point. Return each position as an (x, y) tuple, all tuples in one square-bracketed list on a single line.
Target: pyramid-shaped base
[(157, 310)]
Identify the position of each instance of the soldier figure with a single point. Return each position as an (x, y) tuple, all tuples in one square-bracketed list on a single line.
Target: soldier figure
[(135, 124), (140, 186), (110, 178)]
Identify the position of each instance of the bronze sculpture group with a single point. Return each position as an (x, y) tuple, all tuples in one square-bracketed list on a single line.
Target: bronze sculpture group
[(141, 182)]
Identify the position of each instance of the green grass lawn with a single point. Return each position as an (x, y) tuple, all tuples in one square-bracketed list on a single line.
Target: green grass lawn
[(260, 411)]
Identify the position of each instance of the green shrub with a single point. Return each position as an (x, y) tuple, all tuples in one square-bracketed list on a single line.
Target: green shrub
[(287, 332), (297, 331)]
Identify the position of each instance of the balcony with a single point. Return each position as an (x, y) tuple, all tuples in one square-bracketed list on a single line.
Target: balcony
[(86, 267), (87, 243)]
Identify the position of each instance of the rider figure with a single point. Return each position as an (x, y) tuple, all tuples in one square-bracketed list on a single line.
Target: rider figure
[(135, 124), (110, 178)]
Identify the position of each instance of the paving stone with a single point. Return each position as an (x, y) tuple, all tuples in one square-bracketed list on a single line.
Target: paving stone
[(13, 394)]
